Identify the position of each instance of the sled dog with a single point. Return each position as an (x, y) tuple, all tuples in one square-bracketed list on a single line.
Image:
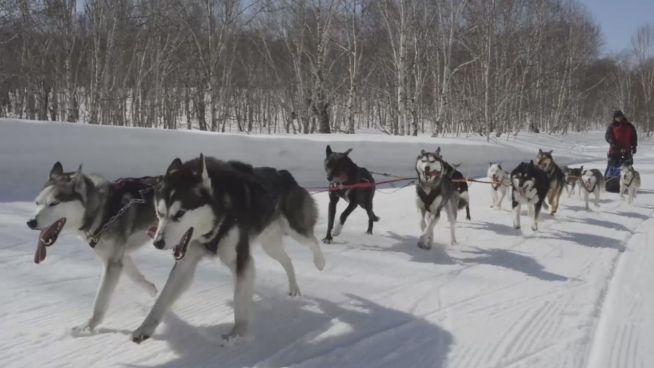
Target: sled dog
[(500, 183), (210, 208), (555, 177), (435, 192), (342, 171), (529, 186), (111, 217), (592, 181), (629, 182)]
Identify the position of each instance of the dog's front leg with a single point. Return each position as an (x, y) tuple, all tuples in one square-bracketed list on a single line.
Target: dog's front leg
[(427, 237), (517, 207), (423, 224), (494, 197), (178, 281), (333, 199), (243, 292), (339, 225), (501, 199), (597, 196), (586, 198), (112, 271)]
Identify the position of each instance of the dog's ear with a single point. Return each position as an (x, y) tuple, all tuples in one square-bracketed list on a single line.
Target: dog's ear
[(174, 166), (79, 183), (204, 174), (550, 152), (581, 168), (540, 151), (56, 170), (438, 151), (422, 152), (347, 152), (490, 164), (328, 151)]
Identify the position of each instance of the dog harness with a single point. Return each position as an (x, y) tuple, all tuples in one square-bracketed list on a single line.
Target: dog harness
[(135, 188)]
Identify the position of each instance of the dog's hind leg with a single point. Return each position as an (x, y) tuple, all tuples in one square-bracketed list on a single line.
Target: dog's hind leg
[(451, 217), (137, 277), (339, 225), (178, 281), (312, 242), (333, 200), (272, 245)]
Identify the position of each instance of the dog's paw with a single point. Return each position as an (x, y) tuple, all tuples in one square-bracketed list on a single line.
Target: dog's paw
[(237, 333), (337, 229), (369, 232), (534, 227), (142, 333), (424, 242), (319, 261), (294, 291), (327, 240), (86, 329)]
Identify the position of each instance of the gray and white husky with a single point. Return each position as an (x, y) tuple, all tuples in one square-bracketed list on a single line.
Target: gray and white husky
[(211, 208), (572, 175), (500, 183), (435, 192), (89, 205), (591, 181), (629, 182)]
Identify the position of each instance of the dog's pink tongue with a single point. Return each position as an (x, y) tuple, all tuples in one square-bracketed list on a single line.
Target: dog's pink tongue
[(40, 253)]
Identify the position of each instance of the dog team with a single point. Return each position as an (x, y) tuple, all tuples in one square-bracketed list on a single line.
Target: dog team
[(211, 208)]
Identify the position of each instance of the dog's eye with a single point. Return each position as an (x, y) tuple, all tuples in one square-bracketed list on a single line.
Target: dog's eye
[(178, 215), (53, 203)]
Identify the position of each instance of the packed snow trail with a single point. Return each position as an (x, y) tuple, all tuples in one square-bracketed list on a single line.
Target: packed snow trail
[(575, 294)]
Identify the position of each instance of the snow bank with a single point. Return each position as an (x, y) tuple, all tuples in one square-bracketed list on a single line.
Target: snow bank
[(29, 149)]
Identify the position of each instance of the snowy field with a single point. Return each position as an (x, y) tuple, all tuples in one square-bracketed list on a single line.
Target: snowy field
[(576, 294)]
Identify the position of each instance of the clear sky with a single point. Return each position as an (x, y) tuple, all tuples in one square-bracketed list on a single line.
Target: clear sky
[(619, 20)]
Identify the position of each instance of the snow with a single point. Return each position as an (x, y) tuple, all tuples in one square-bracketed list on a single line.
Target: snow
[(575, 294)]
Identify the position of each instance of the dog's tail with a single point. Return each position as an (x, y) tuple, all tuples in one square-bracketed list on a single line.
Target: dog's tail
[(298, 206)]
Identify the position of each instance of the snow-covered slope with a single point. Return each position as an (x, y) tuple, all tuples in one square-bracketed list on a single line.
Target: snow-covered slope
[(575, 294)]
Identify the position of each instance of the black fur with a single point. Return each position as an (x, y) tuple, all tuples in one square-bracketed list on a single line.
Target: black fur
[(340, 168), (461, 186)]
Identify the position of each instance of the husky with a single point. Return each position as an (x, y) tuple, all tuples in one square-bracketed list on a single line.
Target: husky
[(592, 181), (571, 177), (211, 208), (555, 177), (342, 171), (101, 212), (529, 185), (459, 181), (629, 182), (500, 182), (435, 191)]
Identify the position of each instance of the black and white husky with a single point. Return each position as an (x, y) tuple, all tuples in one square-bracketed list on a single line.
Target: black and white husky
[(555, 176), (211, 208), (629, 182), (435, 192), (500, 183), (529, 186), (591, 181), (342, 171), (571, 176), (101, 212)]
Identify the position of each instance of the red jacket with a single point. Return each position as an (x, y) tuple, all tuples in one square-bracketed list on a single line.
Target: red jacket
[(622, 137)]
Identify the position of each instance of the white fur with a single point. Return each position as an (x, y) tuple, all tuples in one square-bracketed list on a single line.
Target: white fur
[(629, 183), (501, 183), (429, 218), (588, 183)]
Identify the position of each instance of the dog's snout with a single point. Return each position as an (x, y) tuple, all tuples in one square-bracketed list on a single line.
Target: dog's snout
[(159, 243), (31, 223)]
